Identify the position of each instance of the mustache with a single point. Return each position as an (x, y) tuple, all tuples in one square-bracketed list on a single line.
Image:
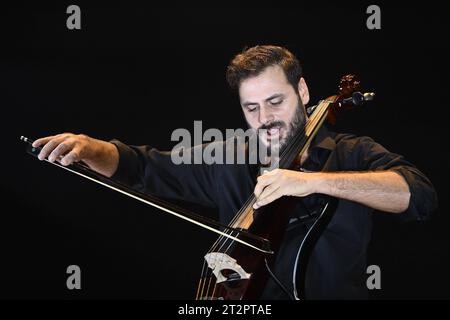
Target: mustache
[(273, 124)]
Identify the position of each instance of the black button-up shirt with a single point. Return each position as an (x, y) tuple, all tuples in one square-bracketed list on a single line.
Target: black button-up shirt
[(337, 267)]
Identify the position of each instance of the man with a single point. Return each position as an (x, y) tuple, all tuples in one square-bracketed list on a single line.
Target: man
[(357, 170)]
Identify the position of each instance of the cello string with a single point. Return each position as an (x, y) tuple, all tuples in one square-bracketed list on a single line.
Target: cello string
[(312, 121), (251, 199), (246, 208)]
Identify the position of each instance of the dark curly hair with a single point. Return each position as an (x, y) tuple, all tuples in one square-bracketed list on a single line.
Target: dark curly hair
[(251, 62)]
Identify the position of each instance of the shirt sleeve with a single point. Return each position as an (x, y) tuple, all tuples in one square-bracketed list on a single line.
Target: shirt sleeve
[(423, 200), (149, 170)]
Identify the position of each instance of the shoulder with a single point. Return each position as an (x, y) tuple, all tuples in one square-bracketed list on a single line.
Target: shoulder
[(355, 152), (350, 142)]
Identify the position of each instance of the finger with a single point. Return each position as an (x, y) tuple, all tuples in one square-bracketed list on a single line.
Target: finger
[(60, 150), (42, 141), (271, 197), (263, 181), (48, 148), (71, 157), (267, 191), (260, 185)]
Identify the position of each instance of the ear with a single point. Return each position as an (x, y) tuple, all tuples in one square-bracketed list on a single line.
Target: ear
[(303, 91)]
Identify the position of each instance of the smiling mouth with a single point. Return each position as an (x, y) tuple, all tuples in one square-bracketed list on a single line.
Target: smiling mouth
[(273, 132)]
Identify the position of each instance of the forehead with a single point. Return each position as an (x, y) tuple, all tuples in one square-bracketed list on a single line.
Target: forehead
[(271, 80)]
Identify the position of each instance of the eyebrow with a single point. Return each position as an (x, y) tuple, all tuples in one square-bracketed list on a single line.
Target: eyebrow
[(276, 95)]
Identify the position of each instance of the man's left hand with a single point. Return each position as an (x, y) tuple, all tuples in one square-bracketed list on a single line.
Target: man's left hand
[(279, 182)]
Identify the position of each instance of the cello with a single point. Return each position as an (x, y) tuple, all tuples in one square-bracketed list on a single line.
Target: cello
[(234, 272)]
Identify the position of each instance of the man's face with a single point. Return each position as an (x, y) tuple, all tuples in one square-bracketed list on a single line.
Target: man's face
[(270, 102)]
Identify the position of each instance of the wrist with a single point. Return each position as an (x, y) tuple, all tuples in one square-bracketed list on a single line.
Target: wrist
[(99, 150), (322, 182)]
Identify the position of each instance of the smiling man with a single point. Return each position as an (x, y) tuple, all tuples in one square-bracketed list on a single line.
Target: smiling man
[(362, 174)]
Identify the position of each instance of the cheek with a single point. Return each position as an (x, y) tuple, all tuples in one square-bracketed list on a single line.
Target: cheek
[(252, 119), (285, 114), (290, 112)]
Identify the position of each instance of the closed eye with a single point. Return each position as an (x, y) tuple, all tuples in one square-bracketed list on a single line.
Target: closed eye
[(276, 102), (252, 108)]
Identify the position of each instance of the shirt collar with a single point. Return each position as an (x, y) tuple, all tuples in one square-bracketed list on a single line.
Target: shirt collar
[(323, 140), (321, 147)]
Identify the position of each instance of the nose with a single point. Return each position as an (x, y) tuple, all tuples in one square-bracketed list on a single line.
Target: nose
[(265, 116)]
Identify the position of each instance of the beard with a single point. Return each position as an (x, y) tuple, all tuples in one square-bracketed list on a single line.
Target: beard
[(297, 123)]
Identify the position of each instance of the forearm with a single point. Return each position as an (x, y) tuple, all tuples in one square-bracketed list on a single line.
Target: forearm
[(384, 190), (104, 157)]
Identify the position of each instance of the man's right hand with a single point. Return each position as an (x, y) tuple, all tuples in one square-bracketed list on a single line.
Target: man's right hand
[(67, 148)]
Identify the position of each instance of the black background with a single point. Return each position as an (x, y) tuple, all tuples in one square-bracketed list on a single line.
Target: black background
[(137, 72)]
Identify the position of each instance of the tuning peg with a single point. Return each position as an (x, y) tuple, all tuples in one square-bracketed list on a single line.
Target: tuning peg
[(368, 96), (357, 98)]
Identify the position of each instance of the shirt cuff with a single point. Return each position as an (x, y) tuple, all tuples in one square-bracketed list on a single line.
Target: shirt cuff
[(128, 165)]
